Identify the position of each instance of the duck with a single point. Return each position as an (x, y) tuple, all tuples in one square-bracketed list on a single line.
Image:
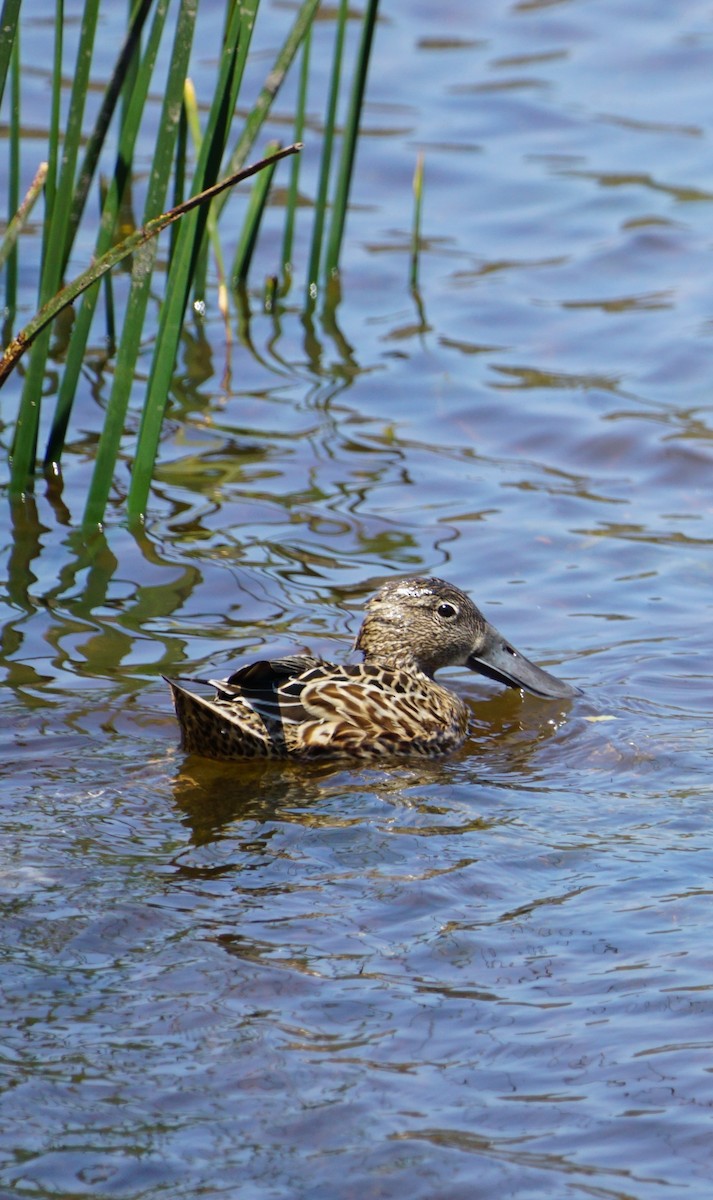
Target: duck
[(303, 707)]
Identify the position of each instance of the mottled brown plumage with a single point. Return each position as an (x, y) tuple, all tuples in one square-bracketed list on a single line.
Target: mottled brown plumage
[(302, 707)]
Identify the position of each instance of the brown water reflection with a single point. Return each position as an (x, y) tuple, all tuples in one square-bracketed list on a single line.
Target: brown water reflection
[(213, 795), (487, 975)]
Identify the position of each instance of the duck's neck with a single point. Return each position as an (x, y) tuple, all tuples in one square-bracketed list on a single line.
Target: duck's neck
[(382, 647)]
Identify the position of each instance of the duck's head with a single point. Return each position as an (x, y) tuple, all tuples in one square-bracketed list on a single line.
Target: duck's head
[(427, 624)]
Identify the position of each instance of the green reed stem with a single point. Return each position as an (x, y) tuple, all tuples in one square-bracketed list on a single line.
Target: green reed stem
[(253, 219), (417, 212), (293, 187), (58, 208), (194, 126), (16, 215), (110, 215), (351, 132), (9, 30), (261, 108), (170, 123), (180, 170), (118, 80), (320, 206), (182, 268), (24, 448)]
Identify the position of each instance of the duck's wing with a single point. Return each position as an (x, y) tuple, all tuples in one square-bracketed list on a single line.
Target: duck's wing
[(366, 711), (319, 703), (304, 707), (272, 687), (266, 674)]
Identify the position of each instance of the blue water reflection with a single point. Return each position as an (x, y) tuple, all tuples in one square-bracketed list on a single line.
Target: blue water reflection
[(488, 975)]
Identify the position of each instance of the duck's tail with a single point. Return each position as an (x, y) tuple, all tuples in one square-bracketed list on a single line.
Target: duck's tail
[(218, 728)]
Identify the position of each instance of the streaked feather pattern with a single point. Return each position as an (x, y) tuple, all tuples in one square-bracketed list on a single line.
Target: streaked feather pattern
[(303, 707)]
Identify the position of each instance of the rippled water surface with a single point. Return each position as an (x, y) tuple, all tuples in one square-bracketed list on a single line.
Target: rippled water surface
[(489, 976)]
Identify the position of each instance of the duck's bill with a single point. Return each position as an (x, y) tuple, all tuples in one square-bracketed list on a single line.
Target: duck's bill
[(500, 661)]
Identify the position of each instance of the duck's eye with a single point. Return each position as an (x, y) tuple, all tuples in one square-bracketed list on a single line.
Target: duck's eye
[(447, 611)]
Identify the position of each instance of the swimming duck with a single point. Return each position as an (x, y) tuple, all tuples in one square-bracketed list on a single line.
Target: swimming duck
[(302, 707)]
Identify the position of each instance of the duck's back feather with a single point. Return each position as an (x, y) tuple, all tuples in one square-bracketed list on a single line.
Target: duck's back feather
[(301, 706)]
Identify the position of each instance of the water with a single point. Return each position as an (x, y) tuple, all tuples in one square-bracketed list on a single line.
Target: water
[(484, 976)]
